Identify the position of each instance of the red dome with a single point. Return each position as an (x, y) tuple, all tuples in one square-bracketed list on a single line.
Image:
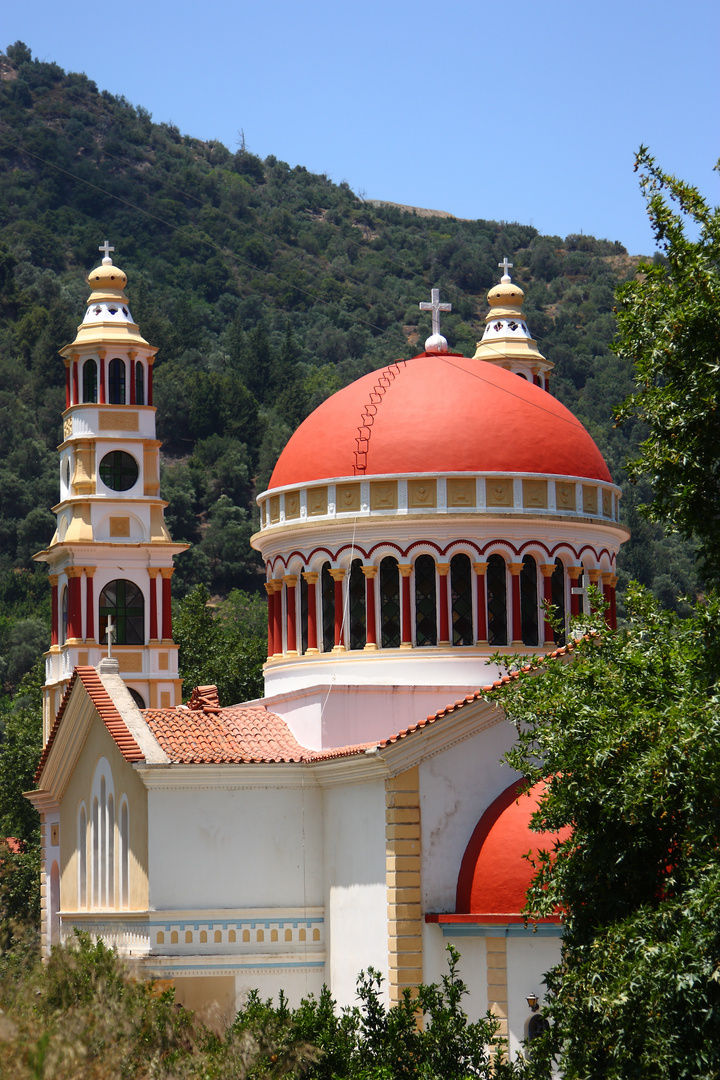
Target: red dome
[(494, 876), (439, 414)]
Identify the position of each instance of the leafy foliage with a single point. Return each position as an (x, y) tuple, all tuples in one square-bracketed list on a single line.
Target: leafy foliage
[(669, 322), (84, 1017), (628, 737), (227, 647)]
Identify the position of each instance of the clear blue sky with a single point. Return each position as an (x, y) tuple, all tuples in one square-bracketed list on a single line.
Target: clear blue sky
[(528, 111)]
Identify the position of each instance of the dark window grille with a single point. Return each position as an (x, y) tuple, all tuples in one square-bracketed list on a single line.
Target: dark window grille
[(461, 587), (90, 381), (357, 605), (126, 604), (118, 470), (303, 615), (497, 600), (328, 609), (557, 582), (116, 378), (529, 601), (425, 601), (139, 383), (389, 603)]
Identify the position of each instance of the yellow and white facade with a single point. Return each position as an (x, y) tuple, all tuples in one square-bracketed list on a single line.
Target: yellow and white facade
[(111, 555)]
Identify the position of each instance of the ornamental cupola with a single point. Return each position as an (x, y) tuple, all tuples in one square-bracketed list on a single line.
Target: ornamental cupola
[(507, 341), (111, 558), (418, 519)]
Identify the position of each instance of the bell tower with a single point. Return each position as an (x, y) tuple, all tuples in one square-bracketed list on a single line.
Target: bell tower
[(507, 342), (111, 557)]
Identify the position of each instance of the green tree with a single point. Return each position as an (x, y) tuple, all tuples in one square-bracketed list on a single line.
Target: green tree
[(20, 745), (669, 327), (627, 736), (226, 646)]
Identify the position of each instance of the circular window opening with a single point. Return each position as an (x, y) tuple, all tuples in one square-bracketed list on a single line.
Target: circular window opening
[(118, 470)]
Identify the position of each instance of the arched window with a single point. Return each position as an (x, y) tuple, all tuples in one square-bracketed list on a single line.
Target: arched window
[(103, 837), (116, 379), (557, 582), (497, 600), (328, 609), (82, 856), (124, 854), (461, 586), (303, 615), (64, 615), (126, 604), (89, 381), (389, 603), (139, 383), (357, 605), (425, 601), (529, 601), (137, 698), (95, 866)]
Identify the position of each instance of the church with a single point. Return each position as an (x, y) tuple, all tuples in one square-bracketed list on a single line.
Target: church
[(359, 813)]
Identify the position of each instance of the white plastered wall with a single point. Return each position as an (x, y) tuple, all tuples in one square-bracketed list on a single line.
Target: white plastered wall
[(356, 894), (216, 847)]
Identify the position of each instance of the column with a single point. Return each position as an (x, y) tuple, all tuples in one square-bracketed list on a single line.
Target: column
[(67, 384), (89, 605), (153, 572), (54, 613), (311, 576), (574, 573), (150, 380), (271, 618), (290, 583), (595, 576), (277, 586), (131, 372), (166, 573), (443, 569), (337, 576), (548, 569), (480, 569), (515, 569), (405, 620), (609, 582), (100, 387), (74, 603), (370, 573)]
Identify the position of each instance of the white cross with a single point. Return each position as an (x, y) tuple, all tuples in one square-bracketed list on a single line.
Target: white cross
[(582, 590), (110, 632), (505, 266), (105, 247), (436, 307)]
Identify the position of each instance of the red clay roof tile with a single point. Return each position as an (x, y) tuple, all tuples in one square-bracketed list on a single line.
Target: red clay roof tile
[(108, 714)]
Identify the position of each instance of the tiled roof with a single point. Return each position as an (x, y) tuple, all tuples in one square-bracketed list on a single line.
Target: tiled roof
[(235, 735), (108, 714)]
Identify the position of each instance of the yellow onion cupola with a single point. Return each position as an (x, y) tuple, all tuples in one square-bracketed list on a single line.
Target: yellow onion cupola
[(507, 341)]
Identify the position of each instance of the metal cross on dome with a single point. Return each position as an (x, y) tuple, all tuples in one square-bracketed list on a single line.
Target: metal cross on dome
[(505, 266), (106, 249), (436, 307)]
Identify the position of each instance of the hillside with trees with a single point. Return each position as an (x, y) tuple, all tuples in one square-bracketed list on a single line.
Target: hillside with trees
[(266, 289)]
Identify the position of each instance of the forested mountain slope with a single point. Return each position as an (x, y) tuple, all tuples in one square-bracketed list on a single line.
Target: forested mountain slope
[(266, 289)]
